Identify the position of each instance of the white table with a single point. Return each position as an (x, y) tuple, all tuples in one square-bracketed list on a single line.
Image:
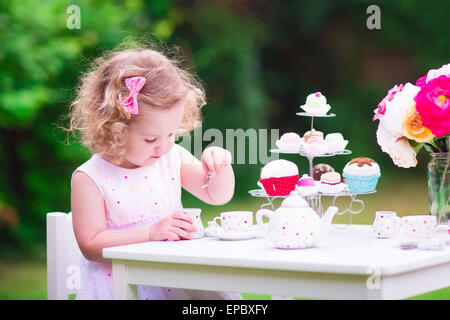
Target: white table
[(351, 264)]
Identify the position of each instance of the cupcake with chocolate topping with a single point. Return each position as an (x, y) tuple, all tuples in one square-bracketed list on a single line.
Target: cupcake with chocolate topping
[(320, 169), (361, 175)]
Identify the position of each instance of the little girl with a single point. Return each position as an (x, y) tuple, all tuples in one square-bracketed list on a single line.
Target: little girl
[(128, 109)]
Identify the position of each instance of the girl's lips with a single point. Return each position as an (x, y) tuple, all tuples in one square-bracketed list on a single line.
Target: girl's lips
[(156, 157)]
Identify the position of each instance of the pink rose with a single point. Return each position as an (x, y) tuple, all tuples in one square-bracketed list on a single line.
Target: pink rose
[(381, 110), (433, 105), (432, 74), (421, 81)]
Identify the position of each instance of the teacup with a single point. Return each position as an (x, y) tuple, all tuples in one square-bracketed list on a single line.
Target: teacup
[(212, 229), (234, 221), (386, 224), (195, 214), (418, 227)]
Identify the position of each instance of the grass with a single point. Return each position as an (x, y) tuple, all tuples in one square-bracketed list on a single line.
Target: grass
[(25, 278)]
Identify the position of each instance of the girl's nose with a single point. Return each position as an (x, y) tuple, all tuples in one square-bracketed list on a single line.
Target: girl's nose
[(163, 145)]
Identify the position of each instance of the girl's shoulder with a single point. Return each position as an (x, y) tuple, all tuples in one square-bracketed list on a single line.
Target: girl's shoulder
[(88, 169), (183, 154), (178, 150)]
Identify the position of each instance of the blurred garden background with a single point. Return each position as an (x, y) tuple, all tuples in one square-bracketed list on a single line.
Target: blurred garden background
[(258, 60)]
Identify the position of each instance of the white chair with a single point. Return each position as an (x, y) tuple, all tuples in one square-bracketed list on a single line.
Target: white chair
[(63, 258)]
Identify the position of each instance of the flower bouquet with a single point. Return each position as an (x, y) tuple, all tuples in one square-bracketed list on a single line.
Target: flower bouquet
[(414, 117)]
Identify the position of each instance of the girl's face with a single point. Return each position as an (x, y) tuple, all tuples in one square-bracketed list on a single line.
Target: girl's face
[(151, 135)]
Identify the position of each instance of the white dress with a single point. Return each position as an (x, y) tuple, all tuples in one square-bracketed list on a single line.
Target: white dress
[(135, 197)]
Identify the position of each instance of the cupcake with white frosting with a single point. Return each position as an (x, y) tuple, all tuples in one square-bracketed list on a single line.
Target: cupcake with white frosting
[(316, 103), (289, 142), (330, 182), (279, 177), (315, 146), (335, 142), (361, 175)]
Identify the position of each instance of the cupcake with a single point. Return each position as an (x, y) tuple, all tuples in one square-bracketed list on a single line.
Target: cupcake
[(306, 186), (315, 146), (289, 142), (335, 142), (312, 133), (320, 169), (316, 104), (279, 177), (361, 174), (330, 182)]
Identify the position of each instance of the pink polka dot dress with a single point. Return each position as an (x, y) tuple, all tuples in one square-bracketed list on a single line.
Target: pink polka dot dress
[(136, 197)]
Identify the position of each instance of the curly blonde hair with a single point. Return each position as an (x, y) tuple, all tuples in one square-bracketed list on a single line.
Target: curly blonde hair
[(97, 112)]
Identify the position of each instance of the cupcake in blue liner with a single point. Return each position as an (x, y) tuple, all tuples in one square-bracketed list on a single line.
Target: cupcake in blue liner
[(361, 175)]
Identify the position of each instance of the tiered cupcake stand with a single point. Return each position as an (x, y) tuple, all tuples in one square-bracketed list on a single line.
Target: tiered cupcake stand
[(315, 201)]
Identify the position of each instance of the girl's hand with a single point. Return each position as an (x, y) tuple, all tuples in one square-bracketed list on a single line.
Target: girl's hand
[(177, 226), (214, 159)]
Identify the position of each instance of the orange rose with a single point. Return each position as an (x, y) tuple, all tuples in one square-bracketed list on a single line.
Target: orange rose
[(413, 128)]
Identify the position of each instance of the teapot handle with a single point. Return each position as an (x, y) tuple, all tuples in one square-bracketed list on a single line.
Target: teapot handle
[(259, 215)]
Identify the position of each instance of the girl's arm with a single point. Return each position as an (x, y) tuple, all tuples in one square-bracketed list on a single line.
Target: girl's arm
[(89, 222), (193, 174)]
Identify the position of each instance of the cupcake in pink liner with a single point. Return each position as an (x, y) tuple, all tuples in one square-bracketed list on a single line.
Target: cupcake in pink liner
[(316, 104), (289, 142), (315, 146), (279, 177), (330, 182), (306, 186)]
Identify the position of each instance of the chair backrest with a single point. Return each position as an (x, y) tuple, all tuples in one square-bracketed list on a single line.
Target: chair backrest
[(63, 258)]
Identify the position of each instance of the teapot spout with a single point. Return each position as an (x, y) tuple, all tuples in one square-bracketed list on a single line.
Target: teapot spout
[(325, 223)]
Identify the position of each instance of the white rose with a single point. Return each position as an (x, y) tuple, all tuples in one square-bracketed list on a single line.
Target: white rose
[(398, 148), (396, 108), (434, 73)]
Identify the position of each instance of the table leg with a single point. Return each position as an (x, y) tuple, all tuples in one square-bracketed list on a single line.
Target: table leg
[(122, 289)]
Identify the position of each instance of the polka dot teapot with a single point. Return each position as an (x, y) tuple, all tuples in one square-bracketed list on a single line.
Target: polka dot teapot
[(294, 224)]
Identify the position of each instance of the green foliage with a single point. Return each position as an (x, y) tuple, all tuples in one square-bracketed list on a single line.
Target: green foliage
[(41, 60), (258, 61)]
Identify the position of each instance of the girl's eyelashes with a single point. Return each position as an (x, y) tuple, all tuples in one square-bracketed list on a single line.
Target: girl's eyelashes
[(154, 139)]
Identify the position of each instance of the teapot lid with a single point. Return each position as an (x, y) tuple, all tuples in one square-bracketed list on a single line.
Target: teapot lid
[(294, 200)]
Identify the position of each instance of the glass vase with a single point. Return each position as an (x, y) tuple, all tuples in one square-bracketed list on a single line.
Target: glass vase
[(438, 186)]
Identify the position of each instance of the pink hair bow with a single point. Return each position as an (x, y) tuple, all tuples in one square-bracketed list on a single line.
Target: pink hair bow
[(135, 85)]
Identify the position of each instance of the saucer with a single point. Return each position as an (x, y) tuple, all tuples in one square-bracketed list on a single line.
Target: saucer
[(436, 242), (285, 151), (288, 147), (253, 232), (342, 186), (316, 111), (211, 232)]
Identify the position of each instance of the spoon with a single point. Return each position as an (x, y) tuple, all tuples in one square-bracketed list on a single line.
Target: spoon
[(208, 180)]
